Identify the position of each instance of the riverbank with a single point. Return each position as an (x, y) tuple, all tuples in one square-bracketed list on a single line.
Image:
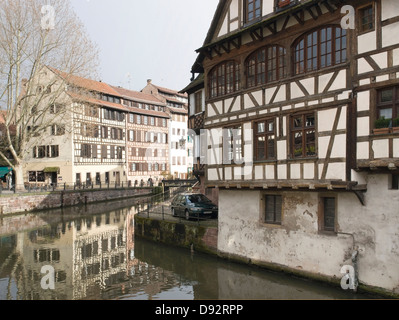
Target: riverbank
[(204, 239), (22, 203)]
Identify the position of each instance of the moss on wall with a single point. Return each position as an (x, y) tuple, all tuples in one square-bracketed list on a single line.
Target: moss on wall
[(183, 235)]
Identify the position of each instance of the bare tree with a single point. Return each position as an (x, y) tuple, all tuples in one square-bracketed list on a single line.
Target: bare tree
[(37, 36)]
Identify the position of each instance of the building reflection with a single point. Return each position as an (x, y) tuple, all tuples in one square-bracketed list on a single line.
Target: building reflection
[(93, 257)]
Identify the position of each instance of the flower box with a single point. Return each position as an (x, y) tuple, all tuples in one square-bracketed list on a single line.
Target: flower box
[(283, 3), (381, 131)]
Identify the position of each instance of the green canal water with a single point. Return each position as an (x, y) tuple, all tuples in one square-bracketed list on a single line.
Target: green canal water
[(91, 253)]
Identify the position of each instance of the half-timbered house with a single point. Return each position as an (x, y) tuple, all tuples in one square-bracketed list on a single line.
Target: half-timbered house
[(87, 145), (196, 121), (176, 106), (296, 93), (147, 149)]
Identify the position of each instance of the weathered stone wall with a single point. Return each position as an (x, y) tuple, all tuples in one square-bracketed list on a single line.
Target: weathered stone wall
[(20, 203), (189, 236), (299, 246)]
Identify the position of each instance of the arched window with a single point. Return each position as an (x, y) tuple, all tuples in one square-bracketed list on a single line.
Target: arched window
[(266, 65), (224, 79), (319, 49)]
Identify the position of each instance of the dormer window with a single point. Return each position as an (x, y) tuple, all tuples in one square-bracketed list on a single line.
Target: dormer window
[(253, 10)]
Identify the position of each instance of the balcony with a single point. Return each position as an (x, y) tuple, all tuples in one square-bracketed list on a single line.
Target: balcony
[(197, 121)]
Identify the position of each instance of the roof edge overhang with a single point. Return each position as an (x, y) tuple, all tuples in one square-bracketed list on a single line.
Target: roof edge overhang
[(266, 21)]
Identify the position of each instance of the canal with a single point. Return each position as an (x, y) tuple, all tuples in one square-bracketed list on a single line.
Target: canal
[(91, 253)]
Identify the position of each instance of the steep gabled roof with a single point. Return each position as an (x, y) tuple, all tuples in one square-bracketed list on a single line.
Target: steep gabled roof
[(102, 103), (138, 96), (88, 84)]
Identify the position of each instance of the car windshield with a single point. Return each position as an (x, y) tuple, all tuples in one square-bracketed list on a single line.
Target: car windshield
[(198, 198)]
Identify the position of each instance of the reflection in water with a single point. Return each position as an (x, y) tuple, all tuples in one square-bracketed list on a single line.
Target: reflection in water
[(95, 256)]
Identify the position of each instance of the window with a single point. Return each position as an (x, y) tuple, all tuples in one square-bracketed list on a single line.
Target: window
[(265, 138), (366, 19), (320, 49), (57, 130), (266, 65), (395, 182), (198, 102), (232, 146), (38, 176), (388, 106), (86, 151), (273, 209), (224, 79), (303, 137), (131, 135), (55, 152), (41, 152), (253, 10), (104, 152), (328, 214)]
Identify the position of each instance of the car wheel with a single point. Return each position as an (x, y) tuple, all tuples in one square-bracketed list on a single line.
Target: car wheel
[(187, 215)]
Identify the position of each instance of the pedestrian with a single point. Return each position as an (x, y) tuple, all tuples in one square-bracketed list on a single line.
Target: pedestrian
[(8, 177)]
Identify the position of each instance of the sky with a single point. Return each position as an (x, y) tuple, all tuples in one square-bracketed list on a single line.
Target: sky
[(140, 40)]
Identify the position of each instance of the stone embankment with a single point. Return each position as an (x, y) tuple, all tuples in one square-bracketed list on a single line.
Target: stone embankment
[(21, 203)]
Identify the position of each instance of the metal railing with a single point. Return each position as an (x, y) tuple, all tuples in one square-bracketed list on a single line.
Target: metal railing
[(44, 187)]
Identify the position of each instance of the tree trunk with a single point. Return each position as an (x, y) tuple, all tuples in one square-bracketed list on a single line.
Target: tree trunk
[(19, 178)]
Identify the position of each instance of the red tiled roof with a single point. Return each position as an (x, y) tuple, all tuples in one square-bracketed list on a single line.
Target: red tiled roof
[(153, 113), (178, 110), (170, 91), (138, 96), (88, 84), (103, 103)]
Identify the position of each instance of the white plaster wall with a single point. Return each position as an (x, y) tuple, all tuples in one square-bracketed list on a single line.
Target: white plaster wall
[(381, 148), (363, 101), (268, 7), (390, 9), (390, 34), (363, 150), (376, 230), (298, 244), (367, 42)]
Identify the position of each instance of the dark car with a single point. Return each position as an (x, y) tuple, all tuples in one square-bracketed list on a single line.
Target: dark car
[(193, 206)]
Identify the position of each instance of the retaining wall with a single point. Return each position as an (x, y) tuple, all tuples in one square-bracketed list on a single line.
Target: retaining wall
[(186, 235), (20, 203)]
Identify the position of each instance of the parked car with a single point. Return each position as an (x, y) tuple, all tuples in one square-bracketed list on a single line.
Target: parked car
[(193, 206)]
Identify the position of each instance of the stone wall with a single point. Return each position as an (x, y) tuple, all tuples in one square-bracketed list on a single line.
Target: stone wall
[(300, 247), (186, 235), (20, 203)]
